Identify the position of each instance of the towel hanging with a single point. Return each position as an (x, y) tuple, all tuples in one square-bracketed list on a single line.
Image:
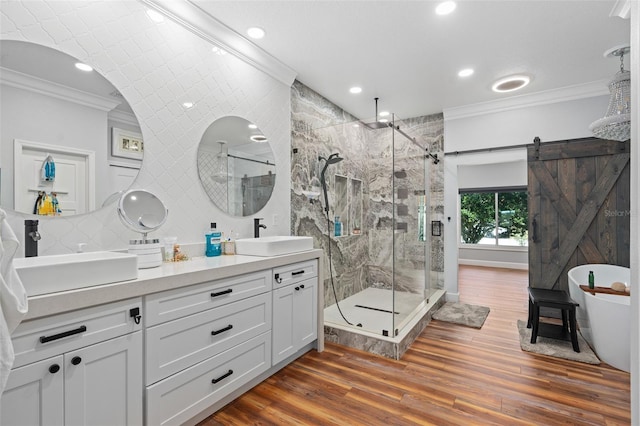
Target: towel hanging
[(48, 170)]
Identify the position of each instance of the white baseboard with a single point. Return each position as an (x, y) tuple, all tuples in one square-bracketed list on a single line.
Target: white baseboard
[(493, 264), (452, 297)]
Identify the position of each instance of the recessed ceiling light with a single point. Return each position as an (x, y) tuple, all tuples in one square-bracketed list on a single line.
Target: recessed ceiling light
[(258, 138), (383, 114), (83, 67), (218, 51), (446, 7), (256, 32), (155, 16), (252, 126), (509, 84), (465, 72), (188, 105), (355, 89), (356, 125)]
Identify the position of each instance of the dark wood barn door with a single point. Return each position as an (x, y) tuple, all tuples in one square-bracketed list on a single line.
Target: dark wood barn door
[(579, 210)]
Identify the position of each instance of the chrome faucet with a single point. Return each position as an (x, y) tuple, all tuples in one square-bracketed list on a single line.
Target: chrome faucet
[(31, 238), (256, 227)]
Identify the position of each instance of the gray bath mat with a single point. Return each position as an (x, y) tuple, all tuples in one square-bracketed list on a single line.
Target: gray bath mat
[(463, 314), (554, 347)]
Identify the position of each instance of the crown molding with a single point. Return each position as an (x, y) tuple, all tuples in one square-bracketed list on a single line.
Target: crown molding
[(621, 9), (37, 85), (205, 26), (123, 117), (564, 94)]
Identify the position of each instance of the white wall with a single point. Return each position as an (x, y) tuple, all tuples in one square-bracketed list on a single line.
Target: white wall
[(157, 67), (504, 124), (635, 213)]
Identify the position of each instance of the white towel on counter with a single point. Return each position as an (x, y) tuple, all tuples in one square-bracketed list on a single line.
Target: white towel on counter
[(13, 297)]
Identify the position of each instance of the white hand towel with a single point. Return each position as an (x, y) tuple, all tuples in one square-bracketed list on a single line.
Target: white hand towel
[(13, 297)]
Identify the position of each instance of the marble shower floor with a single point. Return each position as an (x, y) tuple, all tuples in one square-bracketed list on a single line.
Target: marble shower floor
[(374, 320)]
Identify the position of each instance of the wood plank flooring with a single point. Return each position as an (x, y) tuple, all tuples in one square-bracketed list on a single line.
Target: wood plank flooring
[(452, 375)]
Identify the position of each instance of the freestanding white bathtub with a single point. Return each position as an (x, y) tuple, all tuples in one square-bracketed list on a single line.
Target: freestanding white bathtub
[(604, 319)]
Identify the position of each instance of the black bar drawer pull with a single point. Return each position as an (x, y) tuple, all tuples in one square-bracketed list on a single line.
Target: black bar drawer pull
[(297, 273), (224, 376), (221, 293), (45, 339), (222, 330)]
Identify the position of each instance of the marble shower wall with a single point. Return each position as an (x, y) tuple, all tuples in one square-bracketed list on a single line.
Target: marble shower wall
[(320, 128)]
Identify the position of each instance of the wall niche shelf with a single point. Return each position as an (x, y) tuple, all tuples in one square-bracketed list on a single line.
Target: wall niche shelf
[(348, 204)]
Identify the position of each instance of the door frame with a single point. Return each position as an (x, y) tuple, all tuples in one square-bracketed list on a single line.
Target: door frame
[(19, 145)]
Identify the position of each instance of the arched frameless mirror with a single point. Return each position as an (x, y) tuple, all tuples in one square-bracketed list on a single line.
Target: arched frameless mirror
[(70, 142), (236, 166)]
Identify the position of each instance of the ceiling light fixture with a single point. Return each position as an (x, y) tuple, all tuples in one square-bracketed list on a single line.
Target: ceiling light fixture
[(258, 138), (256, 32), (355, 90), (155, 16), (384, 113), (465, 72), (616, 124), (511, 83), (445, 8), (188, 105), (252, 126), (83, 67)]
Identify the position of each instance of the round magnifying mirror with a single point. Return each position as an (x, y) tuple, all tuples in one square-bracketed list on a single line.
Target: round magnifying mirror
[(68, 134), (142, 211), (236, 166)]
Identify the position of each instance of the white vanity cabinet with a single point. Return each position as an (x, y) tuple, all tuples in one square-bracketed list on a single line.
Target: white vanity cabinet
[(78, 368), (217, 339), (295, 308)]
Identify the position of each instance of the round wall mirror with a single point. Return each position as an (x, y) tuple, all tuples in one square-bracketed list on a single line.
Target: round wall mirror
[(142, 211), (236, 166), (70, 143)]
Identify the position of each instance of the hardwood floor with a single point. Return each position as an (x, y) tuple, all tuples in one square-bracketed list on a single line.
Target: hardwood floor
[(452, 375)]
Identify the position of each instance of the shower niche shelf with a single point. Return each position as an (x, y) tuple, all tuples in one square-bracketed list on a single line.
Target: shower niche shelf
[(348, 204)]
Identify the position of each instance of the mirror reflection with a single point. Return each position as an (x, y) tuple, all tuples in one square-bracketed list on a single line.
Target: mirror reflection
[(70, 142), (236, 166)]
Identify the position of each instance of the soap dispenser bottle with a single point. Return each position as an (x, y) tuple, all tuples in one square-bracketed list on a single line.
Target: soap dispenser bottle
[(214, 239)]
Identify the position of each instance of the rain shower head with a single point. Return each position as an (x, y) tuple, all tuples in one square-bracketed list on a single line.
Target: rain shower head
[(376, 124)]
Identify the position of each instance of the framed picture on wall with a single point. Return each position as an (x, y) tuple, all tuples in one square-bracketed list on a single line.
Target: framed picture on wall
[(126, 144)]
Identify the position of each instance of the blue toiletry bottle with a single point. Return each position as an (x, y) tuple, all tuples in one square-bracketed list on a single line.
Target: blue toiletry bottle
[(214, 238), (337, 227)]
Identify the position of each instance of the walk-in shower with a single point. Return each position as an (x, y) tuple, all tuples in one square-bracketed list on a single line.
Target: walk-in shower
[(379, 267)]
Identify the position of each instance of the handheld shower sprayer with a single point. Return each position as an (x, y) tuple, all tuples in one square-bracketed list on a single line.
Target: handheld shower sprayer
[(333, 159)]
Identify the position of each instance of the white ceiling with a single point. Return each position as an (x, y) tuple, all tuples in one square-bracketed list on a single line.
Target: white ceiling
[(403, 53)]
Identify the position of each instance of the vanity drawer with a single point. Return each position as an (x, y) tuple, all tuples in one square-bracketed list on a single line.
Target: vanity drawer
[(176, 345), (184, 395), (50, 336), (174, 304), (296, 272)]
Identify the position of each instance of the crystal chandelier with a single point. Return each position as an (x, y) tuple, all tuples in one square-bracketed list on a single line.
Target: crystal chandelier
[(616, 124)]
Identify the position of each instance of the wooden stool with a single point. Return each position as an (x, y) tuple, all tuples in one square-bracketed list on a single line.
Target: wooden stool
[(558, 299)]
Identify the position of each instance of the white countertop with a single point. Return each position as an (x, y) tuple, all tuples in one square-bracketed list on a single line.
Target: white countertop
[(165, 277)]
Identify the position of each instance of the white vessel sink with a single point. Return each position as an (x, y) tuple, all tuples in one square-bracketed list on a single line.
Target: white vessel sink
[(273, 246), (49, 274)]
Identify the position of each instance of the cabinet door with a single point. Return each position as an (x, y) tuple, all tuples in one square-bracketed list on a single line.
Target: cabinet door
[(295, 318), (305, 312), (34, 394), (103, 383), (283, 323)]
